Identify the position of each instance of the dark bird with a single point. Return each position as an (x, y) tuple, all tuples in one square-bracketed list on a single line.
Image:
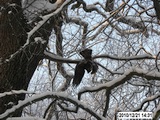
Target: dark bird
[(79, 73), (87, 54), (86, 64), (94, 67)]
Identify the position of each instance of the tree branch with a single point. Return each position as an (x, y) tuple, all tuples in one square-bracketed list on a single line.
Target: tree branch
[(149, 75), (57, 58), (60, 96), (148, 99)]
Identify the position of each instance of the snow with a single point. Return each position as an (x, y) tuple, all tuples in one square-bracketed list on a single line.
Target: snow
[(39, 25), (33, 8), (55, 57), (147, 100), (123, 78), (38, 97), (25, 118), (9, 12), (44, 20), (137, 57), (39, 39), (15, 92)]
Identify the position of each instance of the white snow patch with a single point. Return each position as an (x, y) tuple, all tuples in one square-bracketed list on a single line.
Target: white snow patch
[(39, 39), (25, 118)]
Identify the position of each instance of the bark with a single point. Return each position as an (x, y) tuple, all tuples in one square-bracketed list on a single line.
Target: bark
[(12, 36), (17, 72), (156, 4)]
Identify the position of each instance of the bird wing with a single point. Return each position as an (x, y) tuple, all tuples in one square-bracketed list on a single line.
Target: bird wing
[(94, 67), (88, 66), (79, 73)]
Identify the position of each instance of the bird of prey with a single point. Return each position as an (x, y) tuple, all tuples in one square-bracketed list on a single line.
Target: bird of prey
[(86, 64)]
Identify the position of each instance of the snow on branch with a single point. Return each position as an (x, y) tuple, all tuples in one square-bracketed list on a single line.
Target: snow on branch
[(137, 57), (149, 75), (25, 118), (148, 99), (13, 92), (57, 58), (37, 27), (135, 23), (44, 20), (60, 95), (80, 22)]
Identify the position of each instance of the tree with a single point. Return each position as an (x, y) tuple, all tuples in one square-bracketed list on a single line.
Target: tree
[(13, 36), (49, 35), (20, 53)]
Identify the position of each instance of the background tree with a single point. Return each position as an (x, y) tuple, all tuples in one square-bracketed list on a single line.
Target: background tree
[(49, 35)]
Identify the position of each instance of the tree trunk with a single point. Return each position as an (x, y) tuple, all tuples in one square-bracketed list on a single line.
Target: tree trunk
[(12, 36), (17, 72)]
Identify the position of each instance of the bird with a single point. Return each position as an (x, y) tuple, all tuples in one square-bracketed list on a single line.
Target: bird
[(87, 64), (79, 73), (87, 54)]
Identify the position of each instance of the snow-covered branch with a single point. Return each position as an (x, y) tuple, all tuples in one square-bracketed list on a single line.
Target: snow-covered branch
[(130, 20), (59, 49), (44, 20), (57, 58), (80, 22), (25, 118), (60, 95), (137, 57), (148, 99), (36, 28), (149, 75), (14, 92)]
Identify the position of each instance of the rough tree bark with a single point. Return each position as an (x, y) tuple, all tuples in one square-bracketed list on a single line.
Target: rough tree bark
[(16, 73), (12, 36)]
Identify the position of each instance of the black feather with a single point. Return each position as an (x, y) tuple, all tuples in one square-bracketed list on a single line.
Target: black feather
[(79, 73), (94, 67), (88, 66), (87, 54)]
